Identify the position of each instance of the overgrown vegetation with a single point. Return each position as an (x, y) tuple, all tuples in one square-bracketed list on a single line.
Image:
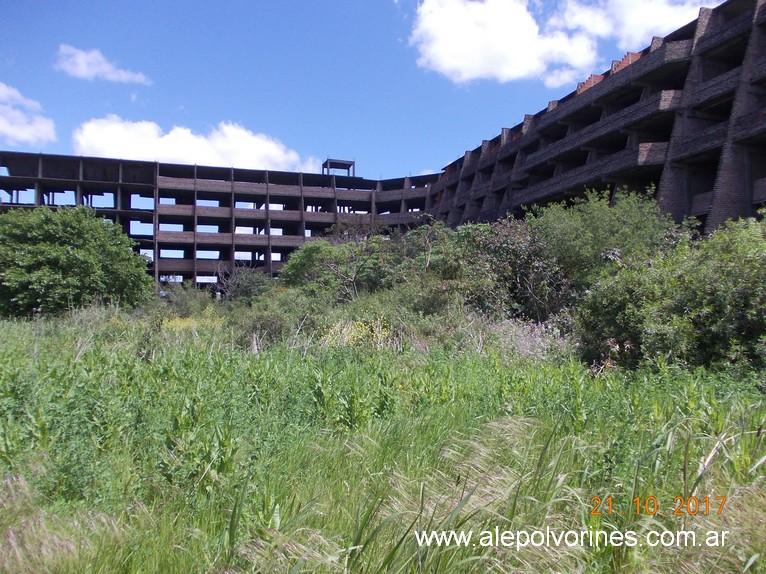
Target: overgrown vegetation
[(699, 302), (618, 273), (491, 376)]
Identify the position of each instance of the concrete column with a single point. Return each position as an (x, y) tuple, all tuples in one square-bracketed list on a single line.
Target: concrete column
[(733, 191)]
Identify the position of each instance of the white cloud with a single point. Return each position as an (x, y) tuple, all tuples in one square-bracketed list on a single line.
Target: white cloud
[(495, 39), (631, 24), (21, 120), (227, 145), (507, 40), (92, 65)]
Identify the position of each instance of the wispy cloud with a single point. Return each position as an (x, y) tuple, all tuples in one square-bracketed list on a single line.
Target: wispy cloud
[(631, 24), (92, 65), (228, 144), (556, 42), (21, 120)]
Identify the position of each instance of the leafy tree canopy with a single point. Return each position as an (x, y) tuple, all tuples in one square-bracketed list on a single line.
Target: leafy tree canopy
[(71, 257), (584, 237)]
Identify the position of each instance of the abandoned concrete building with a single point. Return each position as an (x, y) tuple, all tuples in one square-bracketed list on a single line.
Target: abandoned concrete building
[(686, 114)]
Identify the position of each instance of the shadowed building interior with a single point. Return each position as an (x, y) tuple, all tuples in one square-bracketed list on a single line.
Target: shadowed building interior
[(686, 115)]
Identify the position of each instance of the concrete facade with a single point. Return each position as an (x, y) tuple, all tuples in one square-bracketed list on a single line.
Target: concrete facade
[(196, 222), (687, 114)]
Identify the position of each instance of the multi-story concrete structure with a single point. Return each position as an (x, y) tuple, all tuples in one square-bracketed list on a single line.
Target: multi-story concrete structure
[(197, 222), (686, 114)]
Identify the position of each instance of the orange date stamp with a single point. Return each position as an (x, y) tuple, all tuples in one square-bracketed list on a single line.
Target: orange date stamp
[(649, 505)]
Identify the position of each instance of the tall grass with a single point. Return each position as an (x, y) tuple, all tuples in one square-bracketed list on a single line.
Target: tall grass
[(156, 445)]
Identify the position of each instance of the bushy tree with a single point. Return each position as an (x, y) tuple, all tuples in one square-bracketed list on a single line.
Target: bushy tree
[(341, 270), (535, 267), (433, 250), (587, 237), (523, 279), (700, 302), (243, 282), (531, 268), (71, 257)]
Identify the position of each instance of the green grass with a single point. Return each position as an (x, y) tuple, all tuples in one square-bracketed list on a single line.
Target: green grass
[(151, 445)]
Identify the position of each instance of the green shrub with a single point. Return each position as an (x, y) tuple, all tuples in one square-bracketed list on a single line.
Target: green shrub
[(343, 270), (64, 259), (701, 302), (279, 315), (309, 267), (598, 231), (432, 250), (187, 300), (522, 278), (536, 267), (244, 283)]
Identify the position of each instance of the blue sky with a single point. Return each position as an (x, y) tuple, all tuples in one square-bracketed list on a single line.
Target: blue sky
[(402, 87)]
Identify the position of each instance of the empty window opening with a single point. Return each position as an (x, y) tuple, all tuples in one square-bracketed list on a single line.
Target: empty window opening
[(171, 227), (710, 114), (103, 200), (506, 165), (249, 256), (141, 228), (22, 196), (486, 173), (61, 198), (206, 279), (141, 202), (758, 170)]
